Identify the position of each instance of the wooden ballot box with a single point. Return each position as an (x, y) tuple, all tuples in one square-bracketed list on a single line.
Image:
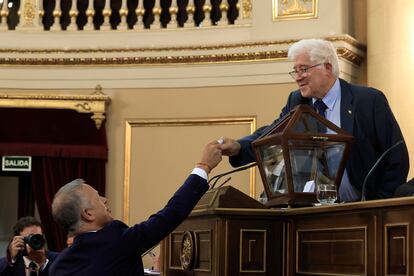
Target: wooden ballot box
[(231, 234)]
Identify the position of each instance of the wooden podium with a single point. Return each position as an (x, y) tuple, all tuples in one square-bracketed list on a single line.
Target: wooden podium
[(229, 233)]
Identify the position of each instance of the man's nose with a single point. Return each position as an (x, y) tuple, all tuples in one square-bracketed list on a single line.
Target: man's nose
[(299, 77)]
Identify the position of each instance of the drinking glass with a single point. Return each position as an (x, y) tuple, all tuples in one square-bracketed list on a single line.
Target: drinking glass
[(326, 194)]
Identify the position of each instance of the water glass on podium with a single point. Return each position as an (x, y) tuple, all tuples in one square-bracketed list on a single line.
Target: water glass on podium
[(326, 194)]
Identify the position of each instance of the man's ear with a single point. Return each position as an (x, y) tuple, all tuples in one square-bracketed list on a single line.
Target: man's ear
[(87, 215), (328, 66)]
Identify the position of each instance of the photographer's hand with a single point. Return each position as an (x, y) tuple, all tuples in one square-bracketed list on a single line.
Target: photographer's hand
[(15, 247)]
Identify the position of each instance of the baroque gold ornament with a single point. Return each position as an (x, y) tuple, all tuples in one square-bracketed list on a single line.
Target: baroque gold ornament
[(294, 9), (188, 251)]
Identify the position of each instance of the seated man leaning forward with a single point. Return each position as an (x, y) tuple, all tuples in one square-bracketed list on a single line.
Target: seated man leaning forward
[(104, 246)]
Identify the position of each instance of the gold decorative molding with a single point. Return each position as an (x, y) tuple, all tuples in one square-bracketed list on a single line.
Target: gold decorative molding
[(349, 55), (294, 9), (251, 52), (29, 19), (247, 7), (158, 60), (94, 103), (230, 46), (29, 13), (188, 250), (130, 124), (173, 60)]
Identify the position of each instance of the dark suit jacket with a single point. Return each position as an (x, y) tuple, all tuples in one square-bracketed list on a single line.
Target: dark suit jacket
[(18, 267), (116, 249), (406, 189), (365, 114)]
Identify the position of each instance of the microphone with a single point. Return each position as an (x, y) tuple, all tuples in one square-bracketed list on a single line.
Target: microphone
[(375, 166), (217, 177)]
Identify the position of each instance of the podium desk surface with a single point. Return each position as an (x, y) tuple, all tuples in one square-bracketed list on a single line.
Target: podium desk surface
[(338, 207)]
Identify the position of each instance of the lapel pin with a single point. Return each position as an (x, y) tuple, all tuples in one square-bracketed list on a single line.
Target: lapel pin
[(350, 111)]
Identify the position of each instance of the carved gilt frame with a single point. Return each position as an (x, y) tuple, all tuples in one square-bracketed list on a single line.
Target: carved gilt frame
[(94, 103), (294, 9), (130, 124)]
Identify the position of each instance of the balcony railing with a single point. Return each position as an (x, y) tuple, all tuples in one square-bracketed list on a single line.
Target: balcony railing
[(78, 15)]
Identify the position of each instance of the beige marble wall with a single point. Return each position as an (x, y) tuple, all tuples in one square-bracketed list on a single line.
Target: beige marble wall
[(162, 156), (391, 59)]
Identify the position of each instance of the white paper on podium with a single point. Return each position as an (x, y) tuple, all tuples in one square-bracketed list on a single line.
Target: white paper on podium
[(309, 187), (151, 272)]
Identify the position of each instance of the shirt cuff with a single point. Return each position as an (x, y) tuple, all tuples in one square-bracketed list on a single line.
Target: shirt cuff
[(200, 172), (10, 261)]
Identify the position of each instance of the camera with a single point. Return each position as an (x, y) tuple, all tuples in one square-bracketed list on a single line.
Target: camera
[(35, 241)]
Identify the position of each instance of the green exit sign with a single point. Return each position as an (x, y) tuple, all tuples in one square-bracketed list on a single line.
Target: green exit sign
[(17, 163)]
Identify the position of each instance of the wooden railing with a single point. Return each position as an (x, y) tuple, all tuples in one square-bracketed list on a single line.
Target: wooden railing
[(77, 15)]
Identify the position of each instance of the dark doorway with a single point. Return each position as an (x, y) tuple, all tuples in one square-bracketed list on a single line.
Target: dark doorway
[(16, 200)]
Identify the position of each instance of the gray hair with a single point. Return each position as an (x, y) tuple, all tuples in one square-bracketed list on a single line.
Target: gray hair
[(319, 51), (67, 205)]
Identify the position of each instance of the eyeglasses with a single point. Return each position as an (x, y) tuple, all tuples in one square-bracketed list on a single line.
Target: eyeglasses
[(295, 73)]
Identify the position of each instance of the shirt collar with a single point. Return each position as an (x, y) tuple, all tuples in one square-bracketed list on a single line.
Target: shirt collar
[(27, 262), (332, 95)]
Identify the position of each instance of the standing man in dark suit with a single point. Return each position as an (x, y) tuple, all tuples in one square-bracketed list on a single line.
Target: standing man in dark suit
[(104, 246), (22, 259), (361, 111)]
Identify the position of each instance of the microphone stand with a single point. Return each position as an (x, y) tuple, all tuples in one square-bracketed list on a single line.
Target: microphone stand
[(374, 167), (217, 177), (149, 251)]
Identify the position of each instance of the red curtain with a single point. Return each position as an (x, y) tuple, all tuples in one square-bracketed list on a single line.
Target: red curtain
[(64, 145)]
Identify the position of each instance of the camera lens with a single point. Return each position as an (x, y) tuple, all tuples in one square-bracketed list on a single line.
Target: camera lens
[(35, 241)]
